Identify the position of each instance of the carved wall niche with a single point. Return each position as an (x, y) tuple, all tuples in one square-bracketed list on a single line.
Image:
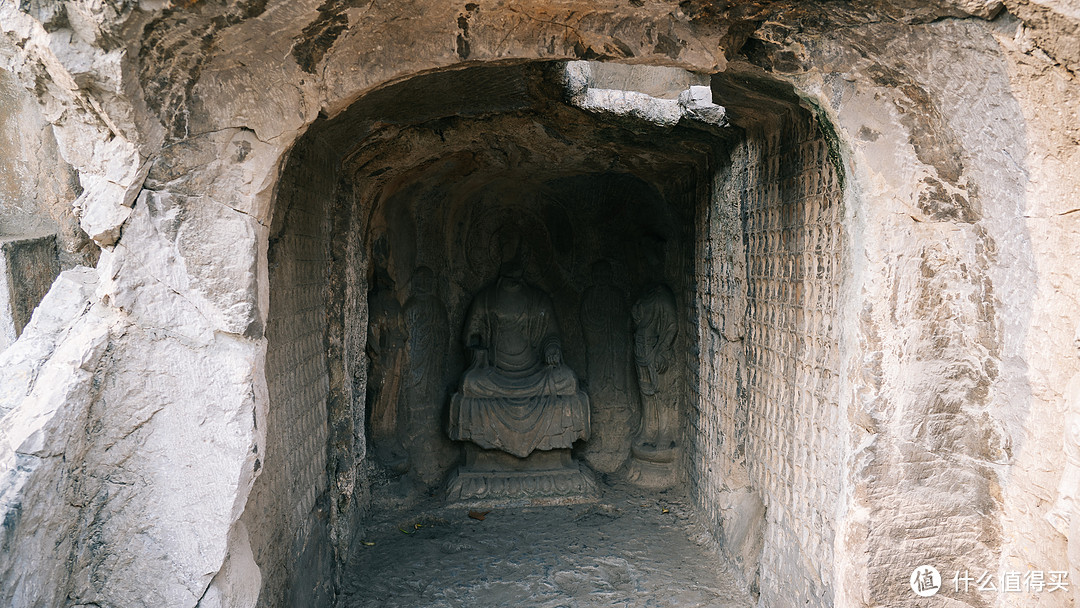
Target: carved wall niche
[(590, 241), (495, 159)]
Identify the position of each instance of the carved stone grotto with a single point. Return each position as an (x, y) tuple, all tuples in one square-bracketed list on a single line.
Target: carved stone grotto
[(813, 266)]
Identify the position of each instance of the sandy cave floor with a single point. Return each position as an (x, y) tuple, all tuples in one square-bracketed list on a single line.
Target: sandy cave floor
[(632, 549)]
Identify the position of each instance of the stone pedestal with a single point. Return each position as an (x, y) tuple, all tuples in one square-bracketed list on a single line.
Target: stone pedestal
[(492, 478), (653, 468)]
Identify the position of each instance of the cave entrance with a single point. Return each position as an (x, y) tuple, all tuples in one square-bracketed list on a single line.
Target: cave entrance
[(603, 181)]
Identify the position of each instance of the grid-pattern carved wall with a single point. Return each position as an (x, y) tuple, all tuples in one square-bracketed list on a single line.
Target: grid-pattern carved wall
[(294, 470), (718, 415), (769, 404), (793, 249)]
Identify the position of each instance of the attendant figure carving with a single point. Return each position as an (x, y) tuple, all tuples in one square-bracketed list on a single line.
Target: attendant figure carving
[(425, 379), (386, 350), (605, 324), (655, 329)]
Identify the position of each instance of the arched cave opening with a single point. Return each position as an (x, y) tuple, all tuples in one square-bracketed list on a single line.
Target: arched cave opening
[(393, 215)]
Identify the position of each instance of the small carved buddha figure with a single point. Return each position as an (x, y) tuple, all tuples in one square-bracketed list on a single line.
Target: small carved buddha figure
[(518, 396)]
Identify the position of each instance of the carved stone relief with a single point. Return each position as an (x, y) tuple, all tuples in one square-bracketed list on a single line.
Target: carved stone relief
[(605, 324), (656, 325), (655, 328), (427, 341), (386, 350), (517, 397), (566, 248)]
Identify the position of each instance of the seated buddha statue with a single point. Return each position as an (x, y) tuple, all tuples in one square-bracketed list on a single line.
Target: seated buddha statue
[(517, 396)]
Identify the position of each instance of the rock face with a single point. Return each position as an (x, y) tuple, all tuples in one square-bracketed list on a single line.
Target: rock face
[(48, 389), (866, 213)]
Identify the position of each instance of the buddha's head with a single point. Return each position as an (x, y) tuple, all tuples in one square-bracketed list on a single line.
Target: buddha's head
[(423, 281), (514, 269)]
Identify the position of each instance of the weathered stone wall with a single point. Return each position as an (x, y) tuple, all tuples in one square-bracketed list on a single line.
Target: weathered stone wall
[(348, 468), (793, 240), (935, 386), (717, 408), (280, 515), (770, 248), (1048, 99), (35, 454), (686, 193), (37, 189)]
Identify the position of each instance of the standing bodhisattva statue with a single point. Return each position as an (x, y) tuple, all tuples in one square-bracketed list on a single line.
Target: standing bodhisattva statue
[(656, 326), (518, 396)]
